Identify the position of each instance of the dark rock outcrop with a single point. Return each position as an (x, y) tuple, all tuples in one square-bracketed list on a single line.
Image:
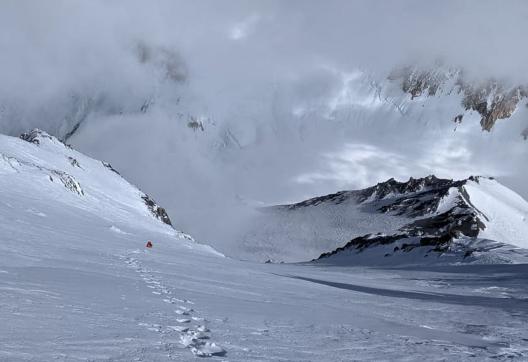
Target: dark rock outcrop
[(68, 181), (491, 99), (419, 199), (35, 136), (156, 210), (74, 162), (419, 82), (413, 198), (109, 166)]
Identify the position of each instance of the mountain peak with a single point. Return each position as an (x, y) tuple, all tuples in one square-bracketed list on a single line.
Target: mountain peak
[(426, 213), (39, 137), (35, 136), (492, 99), (99, 186), (442, 212)]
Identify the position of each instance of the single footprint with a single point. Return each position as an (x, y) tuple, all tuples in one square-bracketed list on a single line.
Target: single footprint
[(207, 349), (178, 328), (185, 309)]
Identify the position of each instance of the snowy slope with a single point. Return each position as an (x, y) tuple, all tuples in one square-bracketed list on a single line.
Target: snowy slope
[(78, 284), (40, 161), (506, 212), (56, 198)]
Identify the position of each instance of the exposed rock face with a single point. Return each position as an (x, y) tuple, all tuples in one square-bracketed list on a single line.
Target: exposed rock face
[(39, 138), (492, 99), (458, 118), (195, 124), (419, 82), (74, 162), (156, 210), (68, 181), (109, 166), (35, 136), (436, 225), (418, 196)]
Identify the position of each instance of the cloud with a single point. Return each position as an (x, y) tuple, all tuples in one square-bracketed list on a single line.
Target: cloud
[(244, 28), (288, 93), (51, 51), (355, 163)]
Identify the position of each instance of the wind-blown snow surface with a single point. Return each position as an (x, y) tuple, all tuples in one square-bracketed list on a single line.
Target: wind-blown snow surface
[(77, 284), (507, 212)]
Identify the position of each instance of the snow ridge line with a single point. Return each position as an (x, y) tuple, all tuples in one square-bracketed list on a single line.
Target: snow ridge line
[(67, 180), (191, 328)]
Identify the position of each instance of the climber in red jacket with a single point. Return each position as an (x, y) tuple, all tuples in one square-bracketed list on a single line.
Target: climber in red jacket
[(149, 244)]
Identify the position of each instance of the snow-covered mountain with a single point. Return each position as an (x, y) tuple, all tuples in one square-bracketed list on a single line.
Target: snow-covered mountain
[(78, 284), (431, 214), (38, 160), (492, 99), (213, 120), (208, 157), (429, 87)]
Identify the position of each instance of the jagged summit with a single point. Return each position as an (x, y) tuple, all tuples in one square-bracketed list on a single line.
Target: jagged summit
[(441, 213), (429, 212), (38, 137), (491, 98), (34, 136), (390, 188)]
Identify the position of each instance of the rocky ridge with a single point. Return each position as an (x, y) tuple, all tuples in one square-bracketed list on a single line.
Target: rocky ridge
[(492, 99), (441, 212)]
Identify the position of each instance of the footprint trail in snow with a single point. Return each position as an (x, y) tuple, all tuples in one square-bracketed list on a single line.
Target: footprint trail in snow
[(193, 333)]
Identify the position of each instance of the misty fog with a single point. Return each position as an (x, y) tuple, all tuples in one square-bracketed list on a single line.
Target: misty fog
[(215, 108)]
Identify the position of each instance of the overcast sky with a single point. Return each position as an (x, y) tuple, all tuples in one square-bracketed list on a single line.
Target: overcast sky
[(52, 46), (249, 69)]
